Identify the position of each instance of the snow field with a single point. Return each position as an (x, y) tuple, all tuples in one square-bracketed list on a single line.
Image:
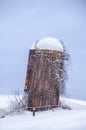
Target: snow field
[(57, 119), (52, 120)]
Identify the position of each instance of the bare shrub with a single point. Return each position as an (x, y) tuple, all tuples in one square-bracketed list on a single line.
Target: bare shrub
[(17, 103)]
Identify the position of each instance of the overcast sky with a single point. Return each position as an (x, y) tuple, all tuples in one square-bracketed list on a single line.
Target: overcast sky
[(25, 21)]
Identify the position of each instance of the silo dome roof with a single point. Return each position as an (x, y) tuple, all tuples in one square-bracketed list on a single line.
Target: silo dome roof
[(48, 43)]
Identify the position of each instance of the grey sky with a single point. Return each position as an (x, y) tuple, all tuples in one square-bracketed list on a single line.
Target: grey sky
[(22, 22)]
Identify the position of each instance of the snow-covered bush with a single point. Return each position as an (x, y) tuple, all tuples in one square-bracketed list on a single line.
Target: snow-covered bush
[(17, 103), (64, 105)]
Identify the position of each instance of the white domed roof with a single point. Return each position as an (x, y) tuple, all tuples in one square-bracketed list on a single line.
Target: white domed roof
[(48, 43)]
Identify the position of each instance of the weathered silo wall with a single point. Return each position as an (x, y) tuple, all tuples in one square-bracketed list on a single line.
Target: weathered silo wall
[(44, 77)]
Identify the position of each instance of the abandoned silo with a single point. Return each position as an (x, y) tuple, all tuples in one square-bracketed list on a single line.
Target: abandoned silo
[(45, 73)]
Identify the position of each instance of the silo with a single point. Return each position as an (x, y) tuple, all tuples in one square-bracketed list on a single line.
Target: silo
[(44, 77)]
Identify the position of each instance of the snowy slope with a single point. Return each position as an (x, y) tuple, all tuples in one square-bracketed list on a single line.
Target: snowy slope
[(73, 104), (59, 119)]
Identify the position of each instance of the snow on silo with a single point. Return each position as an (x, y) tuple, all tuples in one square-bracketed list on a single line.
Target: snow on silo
[(48, 43)]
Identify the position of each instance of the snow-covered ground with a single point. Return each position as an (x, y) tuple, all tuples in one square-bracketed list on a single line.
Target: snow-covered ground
[(58, 119)]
